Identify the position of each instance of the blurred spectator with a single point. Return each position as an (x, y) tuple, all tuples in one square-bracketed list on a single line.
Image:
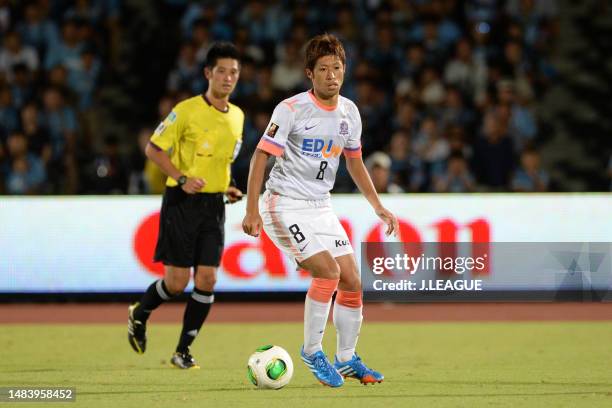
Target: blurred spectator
[(164, 107), (457, 177), (145, 176), (219, 28), (431, 89), (253, 18), (9, 117), (371, 116), (108, 173), (288, 73), (83, 78), (58, 77), (454, 112), (406, 167), (457, 143), (379, 167), (247, 85), (188, 74), (22, 86), (530, 14), (427, 74), (201, 40), (383, 51), (38, 31), (522, 127), (530, 177), (66, 51), (61, 122), (413, 61), (5, 16), (85, 10), (406, 116), (466, 72), (15, 53), (493, 155), (435, 45), (248, 48), (25, 173), (254, 128), (39, 142), (430, 146)]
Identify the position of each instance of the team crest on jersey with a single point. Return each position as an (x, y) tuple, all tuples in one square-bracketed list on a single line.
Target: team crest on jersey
[(344, 128), (272, 129)]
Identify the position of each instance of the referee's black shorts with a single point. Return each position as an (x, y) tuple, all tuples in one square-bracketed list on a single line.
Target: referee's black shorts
[(191, 229)]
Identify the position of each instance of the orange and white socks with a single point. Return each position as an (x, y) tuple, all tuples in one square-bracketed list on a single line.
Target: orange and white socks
[(347, 319), (316, 311)]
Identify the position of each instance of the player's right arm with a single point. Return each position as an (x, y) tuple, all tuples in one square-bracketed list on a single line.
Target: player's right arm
[(271, 143), (252, 223), (165, 136)]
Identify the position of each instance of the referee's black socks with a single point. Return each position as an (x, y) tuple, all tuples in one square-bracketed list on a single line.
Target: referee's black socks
[(196, 312), (156, 294)]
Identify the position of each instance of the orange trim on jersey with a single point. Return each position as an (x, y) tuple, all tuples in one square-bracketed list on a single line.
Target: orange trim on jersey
[(267, 146), (322, 290), (290, 104), (319, 104), (352, 153), (349, 299)]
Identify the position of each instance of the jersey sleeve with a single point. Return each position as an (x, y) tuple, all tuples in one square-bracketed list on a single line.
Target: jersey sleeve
[(169, 130), (352, 148), (274, 139)]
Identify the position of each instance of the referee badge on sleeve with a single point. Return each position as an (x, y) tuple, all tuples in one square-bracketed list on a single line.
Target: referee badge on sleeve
[(272, 129), (170, 119), (160, 129), (236, 149)]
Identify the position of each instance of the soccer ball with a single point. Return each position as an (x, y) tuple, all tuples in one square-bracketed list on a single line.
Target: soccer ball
[(270, 367)]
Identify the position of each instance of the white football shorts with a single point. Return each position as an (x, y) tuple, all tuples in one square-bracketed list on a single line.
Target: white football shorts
[(302, 228)]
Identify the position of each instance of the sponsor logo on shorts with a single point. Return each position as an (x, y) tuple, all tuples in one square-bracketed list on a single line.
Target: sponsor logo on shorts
[(272, 129), (341, 242)]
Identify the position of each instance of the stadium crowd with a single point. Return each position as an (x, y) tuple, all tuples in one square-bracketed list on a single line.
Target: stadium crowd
[(448, 90)]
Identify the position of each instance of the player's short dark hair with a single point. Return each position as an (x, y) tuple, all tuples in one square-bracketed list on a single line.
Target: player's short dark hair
[(321, 46), (221, 50)]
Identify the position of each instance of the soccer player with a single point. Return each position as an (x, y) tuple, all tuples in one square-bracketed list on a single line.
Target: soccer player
[(203, 135), (307, 133)]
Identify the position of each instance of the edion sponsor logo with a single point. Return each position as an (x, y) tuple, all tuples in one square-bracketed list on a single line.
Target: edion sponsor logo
[(275, 265), (321, 147)]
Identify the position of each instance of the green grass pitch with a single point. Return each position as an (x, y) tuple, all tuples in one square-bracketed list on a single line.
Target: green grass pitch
[(425, 364)]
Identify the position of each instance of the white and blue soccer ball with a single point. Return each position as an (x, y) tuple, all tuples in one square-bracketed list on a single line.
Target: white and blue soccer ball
[(270, 367)]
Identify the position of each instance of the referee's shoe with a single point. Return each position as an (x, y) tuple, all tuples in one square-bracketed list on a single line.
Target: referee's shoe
[(136, 331), (183, 360)]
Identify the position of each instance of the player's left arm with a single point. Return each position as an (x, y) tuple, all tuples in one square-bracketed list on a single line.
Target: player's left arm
[(360, 176)]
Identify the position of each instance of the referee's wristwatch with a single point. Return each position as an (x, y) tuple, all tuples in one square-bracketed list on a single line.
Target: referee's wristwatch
[(181, 180)]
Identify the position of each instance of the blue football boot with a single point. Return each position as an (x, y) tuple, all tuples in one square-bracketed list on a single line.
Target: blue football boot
[(354, 368), (322, 368)]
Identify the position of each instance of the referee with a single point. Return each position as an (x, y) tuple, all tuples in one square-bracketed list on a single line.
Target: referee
[(194, 146)]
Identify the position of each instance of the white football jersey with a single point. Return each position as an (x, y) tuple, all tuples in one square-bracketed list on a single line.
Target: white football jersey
[(307, 139)]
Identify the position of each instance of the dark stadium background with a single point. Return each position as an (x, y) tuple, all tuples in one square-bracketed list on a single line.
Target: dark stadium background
[(455, 96), (434, 80)]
